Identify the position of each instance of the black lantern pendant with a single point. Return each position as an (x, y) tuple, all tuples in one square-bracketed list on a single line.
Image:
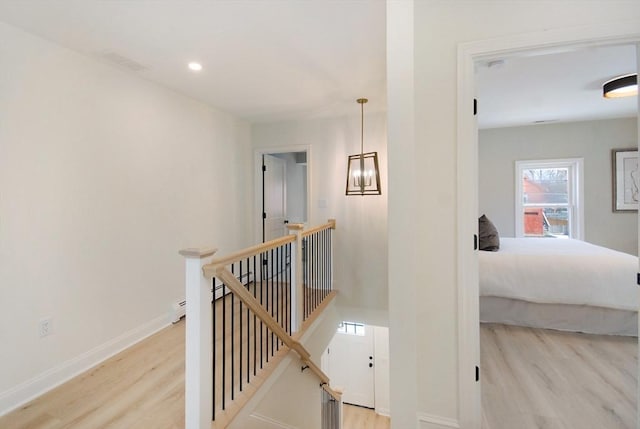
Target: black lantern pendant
[(363, 173)]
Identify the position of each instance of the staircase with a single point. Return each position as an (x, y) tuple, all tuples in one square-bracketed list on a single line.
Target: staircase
[(267, 298)]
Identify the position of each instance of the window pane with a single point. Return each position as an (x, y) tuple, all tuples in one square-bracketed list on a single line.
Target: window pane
[(547, 222), (545, 186), (549, 197), (351, 328)]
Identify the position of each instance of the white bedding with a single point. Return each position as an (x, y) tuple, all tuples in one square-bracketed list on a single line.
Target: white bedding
[(560, 271)]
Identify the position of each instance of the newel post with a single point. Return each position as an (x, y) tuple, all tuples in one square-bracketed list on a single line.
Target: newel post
[(198, 340), (297, 295)]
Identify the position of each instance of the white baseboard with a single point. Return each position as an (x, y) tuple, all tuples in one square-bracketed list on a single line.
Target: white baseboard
[(383, 412), (24, 392), (269, 423), (428, 421)]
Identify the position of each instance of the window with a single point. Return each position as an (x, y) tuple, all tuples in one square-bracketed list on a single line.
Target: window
[(549, 195), (351, 328)]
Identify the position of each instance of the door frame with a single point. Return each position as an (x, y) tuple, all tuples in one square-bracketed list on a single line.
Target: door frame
[(257, 183), (556, 40)]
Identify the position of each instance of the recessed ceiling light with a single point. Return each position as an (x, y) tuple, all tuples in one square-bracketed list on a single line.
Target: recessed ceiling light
[(195, 66), (622, 86)]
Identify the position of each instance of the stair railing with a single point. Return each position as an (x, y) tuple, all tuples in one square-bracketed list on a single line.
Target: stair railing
[(251, 307), (331, 407)]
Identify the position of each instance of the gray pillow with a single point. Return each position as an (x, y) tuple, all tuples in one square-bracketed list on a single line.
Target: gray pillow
[(489, 238)]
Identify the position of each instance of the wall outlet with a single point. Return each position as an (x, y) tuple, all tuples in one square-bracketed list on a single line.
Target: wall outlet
[(45, 327)]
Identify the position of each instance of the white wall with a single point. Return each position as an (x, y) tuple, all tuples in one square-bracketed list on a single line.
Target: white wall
[(592, 140), (360, 243), (422, 119), (301, 409), (103, 178)]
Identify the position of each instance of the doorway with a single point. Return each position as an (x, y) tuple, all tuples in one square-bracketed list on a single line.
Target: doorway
[(469, 54), (282, 191), (357, 362), (351, 363), (274, 202)]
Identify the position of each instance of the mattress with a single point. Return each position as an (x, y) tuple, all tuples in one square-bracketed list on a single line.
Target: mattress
[(560, 271)]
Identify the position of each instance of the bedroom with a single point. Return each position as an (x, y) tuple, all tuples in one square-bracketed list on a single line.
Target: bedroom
[(560, 115)]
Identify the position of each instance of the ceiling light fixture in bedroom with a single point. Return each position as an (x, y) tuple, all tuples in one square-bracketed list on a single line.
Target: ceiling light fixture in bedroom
[(193, 66), (363, 174), (621, 86)]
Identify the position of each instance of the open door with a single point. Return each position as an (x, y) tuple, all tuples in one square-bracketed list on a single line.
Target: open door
[(274, 201)]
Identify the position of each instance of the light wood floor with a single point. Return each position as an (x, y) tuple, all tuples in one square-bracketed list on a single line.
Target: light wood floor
[(363, 418), (531, 378), (142, 387), (537, 378)]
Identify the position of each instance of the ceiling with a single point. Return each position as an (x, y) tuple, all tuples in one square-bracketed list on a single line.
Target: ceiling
[(558, 87), (264, 60), (274, 60)]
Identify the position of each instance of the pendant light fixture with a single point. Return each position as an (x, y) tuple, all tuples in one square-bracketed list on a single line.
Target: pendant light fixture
[(363, 174), (622, 86)]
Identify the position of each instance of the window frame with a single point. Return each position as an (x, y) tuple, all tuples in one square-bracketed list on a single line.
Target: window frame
[(576, 192), (352, 328)]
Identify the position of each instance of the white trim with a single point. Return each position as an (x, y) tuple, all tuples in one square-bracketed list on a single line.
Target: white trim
[(638, 145), (383, 412), (467, 193), (257, 183), (271, 422), (469, 406), (576, 192), (42, 383), (442, 422)]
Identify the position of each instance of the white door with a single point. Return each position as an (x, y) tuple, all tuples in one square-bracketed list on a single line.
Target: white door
[(351, 364), (275, 197)]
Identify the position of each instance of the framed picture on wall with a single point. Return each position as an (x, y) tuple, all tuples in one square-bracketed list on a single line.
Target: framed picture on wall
[(626, 181)]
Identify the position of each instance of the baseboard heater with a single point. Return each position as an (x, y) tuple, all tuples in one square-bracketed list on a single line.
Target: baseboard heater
[(179, 309), (218, 285)]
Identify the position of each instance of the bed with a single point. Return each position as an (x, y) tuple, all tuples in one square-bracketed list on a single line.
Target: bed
[(559, 284)]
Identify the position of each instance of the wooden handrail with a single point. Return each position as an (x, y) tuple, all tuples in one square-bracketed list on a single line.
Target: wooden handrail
[(336, 395), (254, 305), (241, 292), (219, 268), (329, 225), (199, 348), (209, 270)]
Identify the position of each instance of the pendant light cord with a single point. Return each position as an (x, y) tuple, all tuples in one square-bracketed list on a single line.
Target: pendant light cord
[(361, 129)]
